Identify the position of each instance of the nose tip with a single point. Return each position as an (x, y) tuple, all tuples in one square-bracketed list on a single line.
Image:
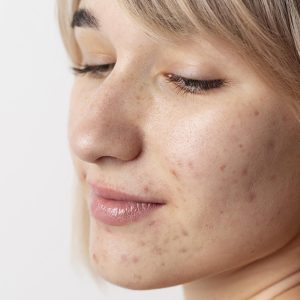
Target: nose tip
[(122, 142)]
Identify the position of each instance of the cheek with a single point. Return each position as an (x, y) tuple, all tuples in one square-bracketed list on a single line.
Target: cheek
[(222, 165)]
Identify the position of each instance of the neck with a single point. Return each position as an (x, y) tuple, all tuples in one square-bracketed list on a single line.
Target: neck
[(262, 279)]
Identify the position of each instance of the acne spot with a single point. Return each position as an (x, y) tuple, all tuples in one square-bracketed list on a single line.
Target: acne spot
[(256, 113), (182, 250), (235, 181), (184, 232), (124, 258), (273, 177), (135, 259), (245, 172), (157, 250), (222, 168), (95, 258), (271, 145), (284, 118), (146, 189)]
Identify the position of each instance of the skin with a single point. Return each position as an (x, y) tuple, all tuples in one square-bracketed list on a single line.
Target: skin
[(226, 162)]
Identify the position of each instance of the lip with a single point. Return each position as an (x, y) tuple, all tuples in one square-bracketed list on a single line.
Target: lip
[(117, 208)]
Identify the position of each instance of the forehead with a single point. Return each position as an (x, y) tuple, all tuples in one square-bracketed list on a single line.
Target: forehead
[(114, 24)]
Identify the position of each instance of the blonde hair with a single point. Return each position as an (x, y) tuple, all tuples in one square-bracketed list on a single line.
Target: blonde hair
[(265, 32)]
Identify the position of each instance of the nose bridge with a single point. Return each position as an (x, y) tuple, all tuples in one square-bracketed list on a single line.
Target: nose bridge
[(109, 124)]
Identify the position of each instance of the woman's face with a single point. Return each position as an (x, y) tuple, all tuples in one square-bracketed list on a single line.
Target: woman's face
[(226, 161)]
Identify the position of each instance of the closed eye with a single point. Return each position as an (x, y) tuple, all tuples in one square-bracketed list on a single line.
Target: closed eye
[(96, 71), (193, 86), (183, 85)]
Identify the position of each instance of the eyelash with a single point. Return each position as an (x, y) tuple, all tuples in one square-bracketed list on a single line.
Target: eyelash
[(183, 85)]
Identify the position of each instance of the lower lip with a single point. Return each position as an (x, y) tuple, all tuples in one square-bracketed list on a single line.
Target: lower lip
[(118, 213)]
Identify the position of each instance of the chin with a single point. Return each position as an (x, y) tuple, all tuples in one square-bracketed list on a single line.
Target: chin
[(134, 281)]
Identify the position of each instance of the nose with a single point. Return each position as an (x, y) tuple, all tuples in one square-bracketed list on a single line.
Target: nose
[(104, 123)]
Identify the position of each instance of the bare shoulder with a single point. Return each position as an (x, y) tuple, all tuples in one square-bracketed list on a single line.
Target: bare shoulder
[(292, 294)]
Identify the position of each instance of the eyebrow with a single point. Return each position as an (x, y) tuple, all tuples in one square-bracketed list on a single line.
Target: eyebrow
[(84, 18)]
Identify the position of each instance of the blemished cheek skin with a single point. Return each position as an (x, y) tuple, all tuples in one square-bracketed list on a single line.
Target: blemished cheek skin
[(223, 209)]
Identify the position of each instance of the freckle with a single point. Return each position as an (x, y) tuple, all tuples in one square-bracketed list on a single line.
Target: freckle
[(284, 118), (135, 259), (138, 277), (221, 212), (184, 232), (182, 250), (175, 238), (245, 172), (174, 173), (273, 178), (95, 258), (166, 241), (256, 112), (222, 168), (162, 264), (241, 145), (235, 181), (124, 257)]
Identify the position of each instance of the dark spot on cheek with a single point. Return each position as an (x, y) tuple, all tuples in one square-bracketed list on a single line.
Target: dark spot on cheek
[(221, 212), (162, 264), (256, 113), (273, 178), (95, 258), (176, 237), (182, 250), (245, 172), (222, 168)]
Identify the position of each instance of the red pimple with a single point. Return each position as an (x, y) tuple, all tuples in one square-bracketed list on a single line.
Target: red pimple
[(222, 168)]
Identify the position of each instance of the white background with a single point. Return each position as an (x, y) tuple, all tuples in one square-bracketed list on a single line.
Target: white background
[(35, 169)]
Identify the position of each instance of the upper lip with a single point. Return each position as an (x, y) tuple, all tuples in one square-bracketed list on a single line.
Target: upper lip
[(108, 193)]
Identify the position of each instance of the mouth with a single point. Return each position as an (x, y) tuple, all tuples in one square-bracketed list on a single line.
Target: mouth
[(116, 208)]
